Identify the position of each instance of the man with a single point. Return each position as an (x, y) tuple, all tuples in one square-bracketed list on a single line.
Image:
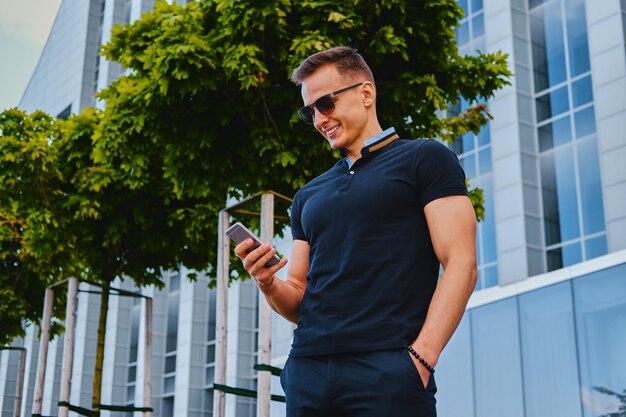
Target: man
[(368, 237)]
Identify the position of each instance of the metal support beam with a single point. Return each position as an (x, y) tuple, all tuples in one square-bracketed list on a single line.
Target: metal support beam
[(265, 315), (221, 322), (68, 345), (43, 350)]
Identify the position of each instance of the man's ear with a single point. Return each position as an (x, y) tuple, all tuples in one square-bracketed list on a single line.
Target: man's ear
[(368, 93)]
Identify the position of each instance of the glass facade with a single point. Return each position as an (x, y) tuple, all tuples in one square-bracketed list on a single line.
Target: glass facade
[(573, 211), (556, 351), (209, 378), (171, 338), (131, 378), (474, 151)]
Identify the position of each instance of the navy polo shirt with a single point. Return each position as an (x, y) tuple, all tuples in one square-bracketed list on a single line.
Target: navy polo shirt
[(373, 270)]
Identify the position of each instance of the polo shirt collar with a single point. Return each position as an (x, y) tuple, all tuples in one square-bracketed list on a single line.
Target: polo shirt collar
[(374, 143)]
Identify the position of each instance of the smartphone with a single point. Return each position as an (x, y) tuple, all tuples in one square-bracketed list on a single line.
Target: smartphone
[(238, 232)]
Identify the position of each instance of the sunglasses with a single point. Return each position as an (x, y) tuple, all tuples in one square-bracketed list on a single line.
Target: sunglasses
[(324, 104)]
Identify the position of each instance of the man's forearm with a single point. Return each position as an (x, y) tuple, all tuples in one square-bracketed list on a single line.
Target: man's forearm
[(284, 297), (446, 309)]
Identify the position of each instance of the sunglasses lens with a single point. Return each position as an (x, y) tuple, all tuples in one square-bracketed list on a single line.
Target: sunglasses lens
[(325, 104), (306, 114)]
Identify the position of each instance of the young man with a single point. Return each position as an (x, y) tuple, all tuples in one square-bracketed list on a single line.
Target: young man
[(369, 235)]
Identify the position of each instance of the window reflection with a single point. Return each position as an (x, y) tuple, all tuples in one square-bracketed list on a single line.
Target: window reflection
[(577, 37), (552, 104), (547, 335), (585, 122), (600, 301), (547, 45), (590, 187), (554, 134), (559, 196), (582, 92)]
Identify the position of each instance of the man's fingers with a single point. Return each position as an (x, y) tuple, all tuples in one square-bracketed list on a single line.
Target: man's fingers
[(241, 250)]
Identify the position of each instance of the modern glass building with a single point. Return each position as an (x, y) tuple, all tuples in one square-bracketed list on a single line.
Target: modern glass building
[(543, 334)]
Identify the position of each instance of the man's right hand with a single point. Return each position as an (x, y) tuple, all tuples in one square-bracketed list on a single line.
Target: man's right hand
[(254, 262)]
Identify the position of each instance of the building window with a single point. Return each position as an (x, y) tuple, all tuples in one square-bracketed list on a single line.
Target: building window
[(65, 113), (171, 338), (209, 377), (474, 151), (131, 377), (573, 211)]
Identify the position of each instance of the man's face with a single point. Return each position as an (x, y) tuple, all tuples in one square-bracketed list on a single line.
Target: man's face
[(345, 125)]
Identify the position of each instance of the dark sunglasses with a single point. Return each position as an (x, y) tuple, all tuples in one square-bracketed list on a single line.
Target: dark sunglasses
[(324, 105)]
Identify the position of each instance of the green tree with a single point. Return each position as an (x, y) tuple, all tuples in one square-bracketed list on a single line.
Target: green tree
[(206, 111)]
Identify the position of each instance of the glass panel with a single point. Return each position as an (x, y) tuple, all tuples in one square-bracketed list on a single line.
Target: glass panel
[(170, 364), (172, 321), (595, 247), (210, 354), (559, 196), (477, 5), (552, 104), (469, 165), (547, 45), (484, 136), (555, 134), (585, 121), (488, 226), (168, 407), (208, 403), (212, 314), (168, 384), (462, 33), (572, 254), (491, 276), (484, 161), (454, 374), (582, 92), (468, 142), (478, 26), (590, 186), (577, 36), (174, 282), (555, 259), (134, 333), (497, 362), (209, 375), (132, 374), (551, 381), (600, 305), (130, 393)]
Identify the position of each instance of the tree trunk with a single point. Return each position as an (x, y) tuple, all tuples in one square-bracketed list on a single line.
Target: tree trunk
[(102, 324)]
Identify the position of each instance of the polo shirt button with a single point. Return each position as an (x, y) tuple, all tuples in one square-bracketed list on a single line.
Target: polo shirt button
[(351, 172)]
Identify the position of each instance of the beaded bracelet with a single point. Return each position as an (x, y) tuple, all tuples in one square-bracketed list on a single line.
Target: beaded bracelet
[(421, 360)]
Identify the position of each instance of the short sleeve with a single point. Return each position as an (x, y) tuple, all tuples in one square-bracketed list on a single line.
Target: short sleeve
[(439, 173), (297, 233)]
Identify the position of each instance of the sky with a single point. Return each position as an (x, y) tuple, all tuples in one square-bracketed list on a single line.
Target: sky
[(24, 28)]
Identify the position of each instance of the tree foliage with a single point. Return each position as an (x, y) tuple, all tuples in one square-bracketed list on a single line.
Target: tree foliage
[(206, 112)]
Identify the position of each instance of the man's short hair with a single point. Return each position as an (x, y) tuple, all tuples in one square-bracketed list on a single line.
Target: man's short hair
[(348, 61)]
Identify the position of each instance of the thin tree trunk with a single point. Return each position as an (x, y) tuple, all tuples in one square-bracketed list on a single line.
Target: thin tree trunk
[(102, 324)]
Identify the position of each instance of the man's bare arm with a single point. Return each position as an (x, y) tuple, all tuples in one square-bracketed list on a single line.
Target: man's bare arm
[(283, 296), (452, 225)]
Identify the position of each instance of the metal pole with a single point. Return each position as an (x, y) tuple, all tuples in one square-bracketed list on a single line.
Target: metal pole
[(147, 359), (221, 322), (43, 350), (68, 346), (265, 315)]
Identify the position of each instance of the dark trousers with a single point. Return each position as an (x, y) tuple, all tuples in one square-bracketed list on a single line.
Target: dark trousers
[(370, 384)]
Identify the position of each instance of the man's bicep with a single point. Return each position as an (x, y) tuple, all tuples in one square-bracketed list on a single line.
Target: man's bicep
[(452, 226), (299, 264)]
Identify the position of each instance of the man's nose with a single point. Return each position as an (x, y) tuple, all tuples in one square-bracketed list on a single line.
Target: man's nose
[(318, 118)]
